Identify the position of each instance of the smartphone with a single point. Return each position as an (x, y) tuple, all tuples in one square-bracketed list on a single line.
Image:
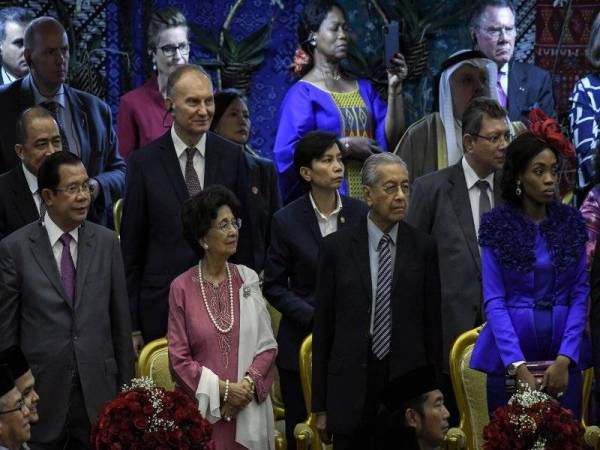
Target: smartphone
[(391, 41)]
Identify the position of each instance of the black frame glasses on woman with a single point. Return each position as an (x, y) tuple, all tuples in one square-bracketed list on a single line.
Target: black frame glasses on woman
[(20, 405), (171, 50), (495, 138)]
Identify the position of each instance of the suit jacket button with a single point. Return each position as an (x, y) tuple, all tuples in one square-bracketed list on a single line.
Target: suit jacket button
[(75, 337)]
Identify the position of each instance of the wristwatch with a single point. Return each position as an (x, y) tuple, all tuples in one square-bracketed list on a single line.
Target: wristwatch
[(512, 368)]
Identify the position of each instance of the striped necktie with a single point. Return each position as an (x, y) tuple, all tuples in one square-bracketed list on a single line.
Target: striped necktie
[(52, 107), (382, 323)]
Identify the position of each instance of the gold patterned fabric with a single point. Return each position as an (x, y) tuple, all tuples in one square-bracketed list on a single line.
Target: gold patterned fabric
[(356, 121)]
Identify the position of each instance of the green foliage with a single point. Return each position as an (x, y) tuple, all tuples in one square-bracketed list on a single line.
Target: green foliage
[(248, 51)]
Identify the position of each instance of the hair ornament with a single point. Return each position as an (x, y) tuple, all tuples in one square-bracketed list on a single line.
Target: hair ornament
[(301, 60), (548, 130)]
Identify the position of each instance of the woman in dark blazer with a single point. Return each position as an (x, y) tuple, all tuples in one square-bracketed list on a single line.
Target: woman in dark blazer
[(290, 269)]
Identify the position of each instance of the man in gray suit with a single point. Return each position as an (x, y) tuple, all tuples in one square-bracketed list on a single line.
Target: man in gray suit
[(63, 300), (448, 203)]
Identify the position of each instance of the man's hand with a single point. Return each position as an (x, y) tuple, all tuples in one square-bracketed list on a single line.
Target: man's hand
[(138, 344), (322, 428), (556, 377)]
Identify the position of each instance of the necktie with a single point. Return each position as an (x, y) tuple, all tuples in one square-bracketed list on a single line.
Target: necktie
[(501, 94), (67, 268), (42, 204), (484, 199), (53, 108), (191, 176), (382, 323)]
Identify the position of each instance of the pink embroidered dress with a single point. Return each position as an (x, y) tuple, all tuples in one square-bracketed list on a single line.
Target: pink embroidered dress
[(194, 342)]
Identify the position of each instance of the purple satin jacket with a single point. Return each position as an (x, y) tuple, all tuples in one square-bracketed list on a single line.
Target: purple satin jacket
[(507, 240)]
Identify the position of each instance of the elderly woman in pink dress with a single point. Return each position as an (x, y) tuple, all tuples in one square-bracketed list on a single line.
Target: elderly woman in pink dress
[(221, 345)]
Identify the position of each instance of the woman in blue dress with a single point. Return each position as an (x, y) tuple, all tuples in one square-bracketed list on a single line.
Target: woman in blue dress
[(535, 285)]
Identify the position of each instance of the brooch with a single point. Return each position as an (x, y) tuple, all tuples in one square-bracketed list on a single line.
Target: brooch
[(246, 291)]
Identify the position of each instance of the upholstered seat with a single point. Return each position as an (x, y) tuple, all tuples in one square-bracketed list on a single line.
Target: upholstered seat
[(471, 397)]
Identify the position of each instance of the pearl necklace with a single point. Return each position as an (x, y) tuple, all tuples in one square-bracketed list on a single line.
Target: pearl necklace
[(228, 328)]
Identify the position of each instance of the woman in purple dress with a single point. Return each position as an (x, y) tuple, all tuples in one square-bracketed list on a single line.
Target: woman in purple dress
[(221, 345), (535, 285), (325, 98)]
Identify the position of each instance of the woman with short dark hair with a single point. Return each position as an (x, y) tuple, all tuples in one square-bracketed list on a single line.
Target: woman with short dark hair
[(221, 345), (290, 269), (142, 114), (535, 286)]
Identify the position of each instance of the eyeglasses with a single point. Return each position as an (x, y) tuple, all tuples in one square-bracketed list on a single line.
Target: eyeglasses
[(495, 138), (393, 188), (171, 50), (496, 32), (75, 189), (20, 405), (235, 224)]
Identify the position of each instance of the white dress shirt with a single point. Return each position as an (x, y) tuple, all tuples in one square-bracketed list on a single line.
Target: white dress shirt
[(327, 222), (7, 78), (32, 183), (54, 234), (199, 156), (471, 178)]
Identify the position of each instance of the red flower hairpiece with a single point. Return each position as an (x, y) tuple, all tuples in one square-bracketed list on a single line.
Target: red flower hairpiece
[(301, 59), (548, 130)]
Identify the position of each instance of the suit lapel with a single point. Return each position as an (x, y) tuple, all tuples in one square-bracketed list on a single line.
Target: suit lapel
[(311, 220), (24, 203), (42, 252), (360, 253), (516, 90), (85, 253), (211, 164), (172, 167), (403, 253), (81, 126), (497, 189), (459, 196)]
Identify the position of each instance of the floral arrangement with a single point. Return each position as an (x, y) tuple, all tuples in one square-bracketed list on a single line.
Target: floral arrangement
[(144, 416), (532, 420)]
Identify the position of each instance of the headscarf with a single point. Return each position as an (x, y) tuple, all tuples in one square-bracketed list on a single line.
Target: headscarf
[(444, 97)]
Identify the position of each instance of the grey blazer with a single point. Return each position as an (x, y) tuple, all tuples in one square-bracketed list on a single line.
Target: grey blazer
[(440, 206), (93, 337)]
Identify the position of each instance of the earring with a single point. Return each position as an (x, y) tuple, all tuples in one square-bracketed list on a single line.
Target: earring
[(518, 190), (313, 40), (204, 245)]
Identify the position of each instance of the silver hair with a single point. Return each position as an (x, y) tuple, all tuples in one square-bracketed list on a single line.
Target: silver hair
[(593, 49), (368, 173), (14, 14)]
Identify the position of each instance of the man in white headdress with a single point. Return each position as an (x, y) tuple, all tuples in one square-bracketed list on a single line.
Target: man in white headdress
[(435, 141)]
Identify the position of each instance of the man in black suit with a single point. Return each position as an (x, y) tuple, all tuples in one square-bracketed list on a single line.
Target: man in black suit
[(447, 205), (377, 309), (161, 176), (83, 119), (520, 86), (37, 136)]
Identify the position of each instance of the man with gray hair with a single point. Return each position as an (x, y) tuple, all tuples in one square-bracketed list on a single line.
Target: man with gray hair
[(377, 311), (13, 21)]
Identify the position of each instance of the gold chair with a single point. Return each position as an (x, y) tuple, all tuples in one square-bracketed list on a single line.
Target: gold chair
[(470, 389), (117, 216), (154, 363)]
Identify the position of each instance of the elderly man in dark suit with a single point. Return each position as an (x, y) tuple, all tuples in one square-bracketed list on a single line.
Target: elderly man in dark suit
[(37, 136), (83, 119), (161, 176), (63, 300), (520, 86), (377, 310), (447, 205)]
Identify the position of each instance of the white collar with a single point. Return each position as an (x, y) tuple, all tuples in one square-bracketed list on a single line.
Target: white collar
[(504, 69), (7, 76), (181, 146), (338, 206), (376, 233), (31, 179), (472, 178), (54, 231)]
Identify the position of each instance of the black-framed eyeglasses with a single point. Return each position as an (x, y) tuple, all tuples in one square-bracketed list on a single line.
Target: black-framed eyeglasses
[(75, 189), (20, 405), (495, 138), (171, 50), (236, 224)]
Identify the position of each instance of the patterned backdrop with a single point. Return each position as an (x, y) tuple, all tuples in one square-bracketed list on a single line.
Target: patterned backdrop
[(112, 26)]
